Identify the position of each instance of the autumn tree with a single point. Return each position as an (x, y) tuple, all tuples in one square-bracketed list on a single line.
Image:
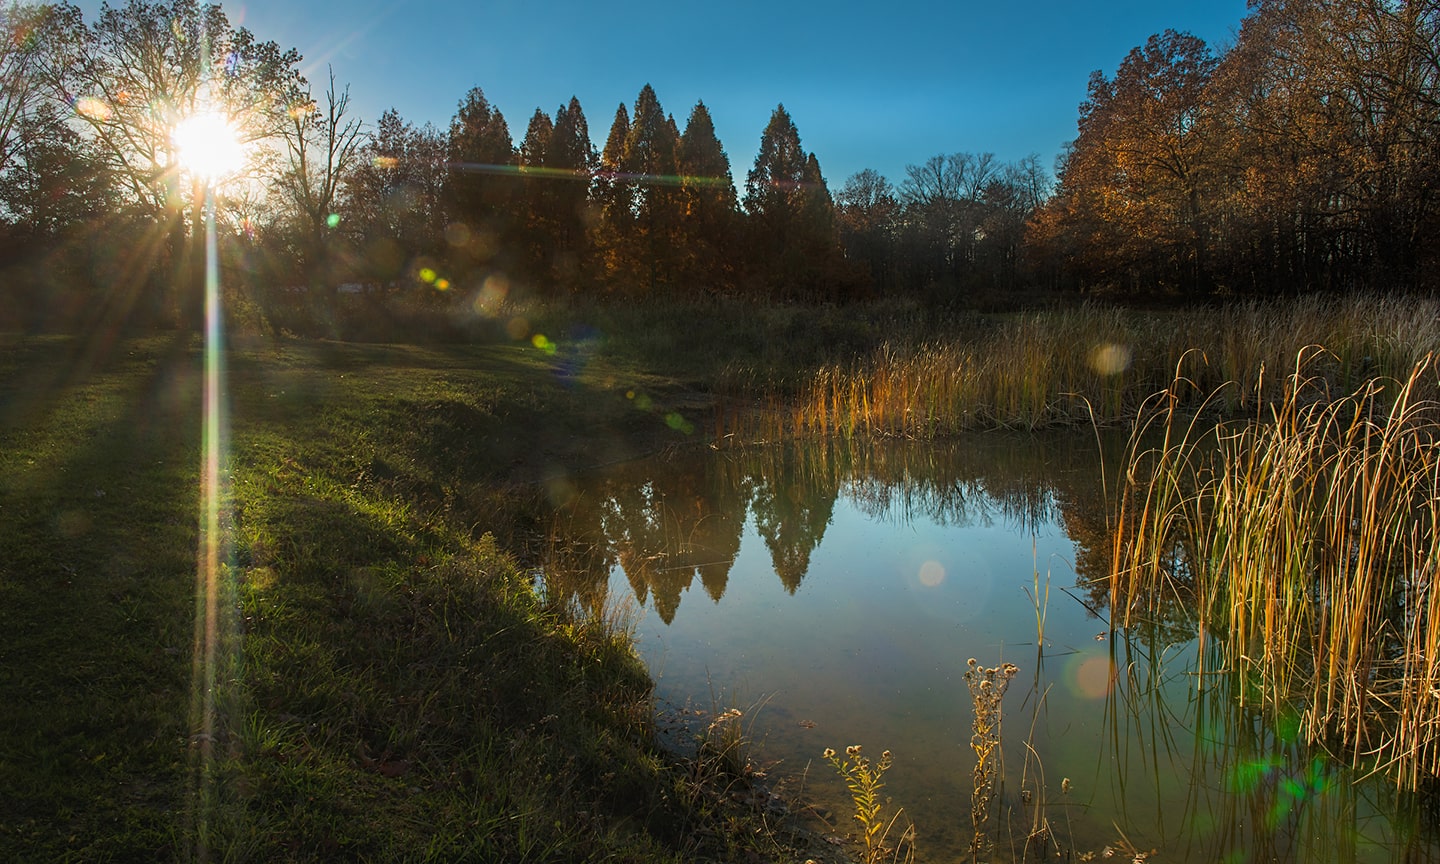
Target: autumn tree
[(1139, 186), (1334, 123)]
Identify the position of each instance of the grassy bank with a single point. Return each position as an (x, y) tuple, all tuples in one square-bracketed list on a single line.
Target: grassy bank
[(386, 684)]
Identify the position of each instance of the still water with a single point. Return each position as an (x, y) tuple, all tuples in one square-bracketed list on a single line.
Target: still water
[(835, 594)]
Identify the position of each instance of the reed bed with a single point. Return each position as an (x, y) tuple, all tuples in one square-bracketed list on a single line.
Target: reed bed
[(1306, 540), (1093, 363)]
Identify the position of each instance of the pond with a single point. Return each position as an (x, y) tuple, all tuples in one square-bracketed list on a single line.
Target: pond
[(835, 594)]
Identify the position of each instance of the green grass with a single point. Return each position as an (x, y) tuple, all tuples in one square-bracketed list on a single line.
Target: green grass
[(388, 686)]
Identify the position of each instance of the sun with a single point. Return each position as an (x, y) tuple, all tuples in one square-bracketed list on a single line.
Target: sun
[(208, 146)]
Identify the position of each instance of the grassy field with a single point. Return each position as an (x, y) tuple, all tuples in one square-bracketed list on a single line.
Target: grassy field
[(386, 684)]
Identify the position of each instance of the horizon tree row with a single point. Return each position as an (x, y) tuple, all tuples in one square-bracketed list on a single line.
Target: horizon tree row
[(1304, 157), (91, 187)]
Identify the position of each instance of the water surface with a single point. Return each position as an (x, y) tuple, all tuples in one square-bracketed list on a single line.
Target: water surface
[(836, 593)]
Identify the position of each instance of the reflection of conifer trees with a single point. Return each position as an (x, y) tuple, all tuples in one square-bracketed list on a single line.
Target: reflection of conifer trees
[(668, 522), (664, 525), (578, 560), (793, 505)]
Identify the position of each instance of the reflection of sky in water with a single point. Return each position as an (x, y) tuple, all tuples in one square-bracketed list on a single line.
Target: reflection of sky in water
[(871, 649), (872, 646)]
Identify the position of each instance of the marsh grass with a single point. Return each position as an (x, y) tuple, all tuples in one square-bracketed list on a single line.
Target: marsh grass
[(1306, 539), (1090, 363)]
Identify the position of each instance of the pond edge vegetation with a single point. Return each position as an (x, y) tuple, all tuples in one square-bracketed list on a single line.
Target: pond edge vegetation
[(363, 557)]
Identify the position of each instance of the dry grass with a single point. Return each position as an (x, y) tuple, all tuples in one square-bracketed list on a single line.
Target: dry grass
[(1306, 540), (1069, 366)]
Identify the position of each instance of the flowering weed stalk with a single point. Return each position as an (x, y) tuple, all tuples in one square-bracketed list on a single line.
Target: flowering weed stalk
[(863, 778), (987, 688)]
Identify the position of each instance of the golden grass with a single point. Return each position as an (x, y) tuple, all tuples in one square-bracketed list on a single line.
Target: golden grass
[(1306, 540), (1075, 365)]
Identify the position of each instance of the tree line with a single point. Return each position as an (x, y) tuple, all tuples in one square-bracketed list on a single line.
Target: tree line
[(1303, 157)]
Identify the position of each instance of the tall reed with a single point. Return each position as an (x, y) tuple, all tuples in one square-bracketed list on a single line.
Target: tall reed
[(1090, 362), (1307, 541)]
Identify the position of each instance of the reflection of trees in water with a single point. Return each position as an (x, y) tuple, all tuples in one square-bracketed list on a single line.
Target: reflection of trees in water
[(667, 521), (793, 502), (662, 522)]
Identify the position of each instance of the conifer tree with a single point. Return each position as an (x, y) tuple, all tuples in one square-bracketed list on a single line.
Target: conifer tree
[(649, 156), (613, 197), (710, 214), (571, 154), (791, 215), (481, 193), (772, 186), (535, 187)]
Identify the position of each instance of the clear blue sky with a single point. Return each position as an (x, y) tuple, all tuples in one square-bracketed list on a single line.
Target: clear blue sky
[(869, 85)]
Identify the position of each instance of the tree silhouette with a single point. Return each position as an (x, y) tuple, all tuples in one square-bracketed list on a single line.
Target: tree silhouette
[(710, 221), (480, 190), (649, 158), (791, 216)]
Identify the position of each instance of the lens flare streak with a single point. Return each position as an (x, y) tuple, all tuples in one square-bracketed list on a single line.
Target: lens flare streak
[(209, 575), (575, 174)]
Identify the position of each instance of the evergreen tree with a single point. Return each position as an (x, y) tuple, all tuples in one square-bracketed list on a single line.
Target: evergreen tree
[(791, 215), (710, 220), (533, 207), (614, 198), (481, 192), (649, 156), (536, 144), (772, 186), (573, 156)]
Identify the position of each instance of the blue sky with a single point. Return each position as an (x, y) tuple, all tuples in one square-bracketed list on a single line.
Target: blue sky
[(869, 85)]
